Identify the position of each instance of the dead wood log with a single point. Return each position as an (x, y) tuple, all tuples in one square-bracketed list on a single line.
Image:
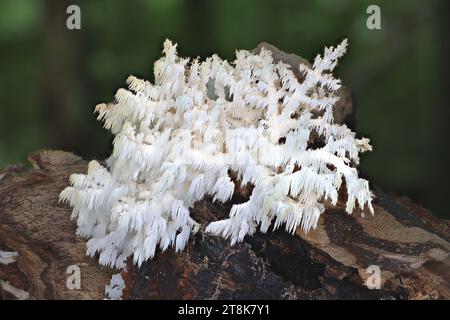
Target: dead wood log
[(409, 245)]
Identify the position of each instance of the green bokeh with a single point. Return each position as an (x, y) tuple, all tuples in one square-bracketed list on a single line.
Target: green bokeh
[(51, 78)]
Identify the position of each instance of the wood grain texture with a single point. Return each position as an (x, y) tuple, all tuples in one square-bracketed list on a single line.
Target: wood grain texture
[(35, 225), (410, 246)]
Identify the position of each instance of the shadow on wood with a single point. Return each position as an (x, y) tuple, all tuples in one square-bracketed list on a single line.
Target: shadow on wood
[(409, 245)]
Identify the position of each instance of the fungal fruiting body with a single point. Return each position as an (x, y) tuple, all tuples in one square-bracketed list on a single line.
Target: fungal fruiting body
[(178, 139)]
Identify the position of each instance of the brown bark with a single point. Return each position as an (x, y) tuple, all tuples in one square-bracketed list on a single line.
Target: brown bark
[(38, 228), (410, 246)]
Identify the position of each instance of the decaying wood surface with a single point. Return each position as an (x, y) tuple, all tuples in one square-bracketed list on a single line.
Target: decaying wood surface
[(38, 228), (409, 245), (335, 261)]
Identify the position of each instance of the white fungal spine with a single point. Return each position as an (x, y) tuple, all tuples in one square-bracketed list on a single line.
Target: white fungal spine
[(177, 140)]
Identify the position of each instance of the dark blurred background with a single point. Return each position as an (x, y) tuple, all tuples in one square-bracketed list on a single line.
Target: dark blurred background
[(51, 77)]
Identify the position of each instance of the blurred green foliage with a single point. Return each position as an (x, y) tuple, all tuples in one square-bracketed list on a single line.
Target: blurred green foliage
[(51, 77)]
